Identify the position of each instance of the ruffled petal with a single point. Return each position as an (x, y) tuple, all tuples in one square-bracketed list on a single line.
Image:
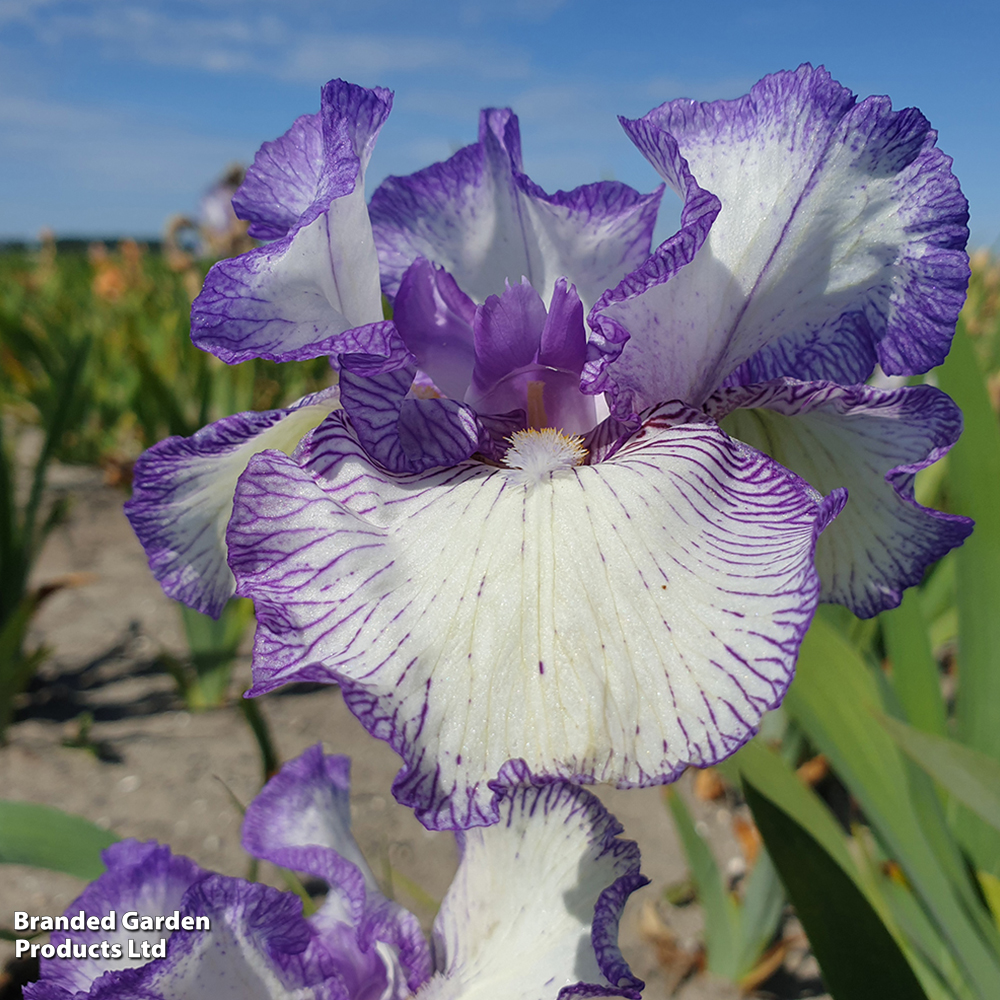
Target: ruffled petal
[(610, 623), (533, 910), (629, 380), (872, 442), (301, 820), (284, 180), (256, 949), (296, 298), (183, 495), (144, 877), (478, 216), (840, 241)]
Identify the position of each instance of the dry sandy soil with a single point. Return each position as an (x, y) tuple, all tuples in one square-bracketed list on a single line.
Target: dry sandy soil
[(163, 773)]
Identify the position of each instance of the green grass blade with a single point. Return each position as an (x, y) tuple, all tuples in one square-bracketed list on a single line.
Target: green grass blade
[(970, 776), (763, 903), (835, 700), (915, 676), (722, 930), (974, 467), (32, 834), (859, 957), (65, 390), (776, 779), (974, 481)]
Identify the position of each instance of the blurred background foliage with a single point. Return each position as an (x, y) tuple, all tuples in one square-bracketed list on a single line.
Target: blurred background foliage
[(868, 808), (96, 365)]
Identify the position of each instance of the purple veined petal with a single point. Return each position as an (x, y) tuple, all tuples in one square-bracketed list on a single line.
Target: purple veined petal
[(257, 948), (434, 318), (295, 298), (871, 442), (183, 495), (144, 877), (481, 219), (402, 432), (287, 301), (295, 177), (533, 910), (648, 362), (608, 623), (283, 181), (840, 241), (301, 820)]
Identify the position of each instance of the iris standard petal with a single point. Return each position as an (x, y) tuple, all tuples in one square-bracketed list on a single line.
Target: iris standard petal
[(840, 241), (533, 911), (872, 442), (183, 495), (284, 180), (294, 298), (478, 216), (610, 623)]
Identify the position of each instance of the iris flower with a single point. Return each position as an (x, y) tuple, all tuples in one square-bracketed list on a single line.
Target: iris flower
[(573, 506), (547, 884)]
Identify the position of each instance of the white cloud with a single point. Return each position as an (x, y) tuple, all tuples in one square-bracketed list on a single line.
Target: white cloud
[(229, 36)]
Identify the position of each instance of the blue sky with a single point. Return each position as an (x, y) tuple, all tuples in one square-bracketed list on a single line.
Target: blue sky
[(116, 113)]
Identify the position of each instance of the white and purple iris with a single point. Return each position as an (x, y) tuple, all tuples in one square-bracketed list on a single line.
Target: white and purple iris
[(547, 884), (570, 511)]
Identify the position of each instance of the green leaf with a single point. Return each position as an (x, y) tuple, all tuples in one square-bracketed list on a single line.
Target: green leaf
[(834, 699), (213, 644), (859, 957), (722, 928), (32, 834), (915, 676), (777, 780), (763, 902), (968, 775), (990, 885), (973, 484)]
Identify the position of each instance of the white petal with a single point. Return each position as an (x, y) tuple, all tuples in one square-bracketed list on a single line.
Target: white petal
[(614, 623), (517, 920)]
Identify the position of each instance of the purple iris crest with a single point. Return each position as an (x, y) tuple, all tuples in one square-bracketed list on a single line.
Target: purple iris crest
[(245, 939), (569, 512)]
